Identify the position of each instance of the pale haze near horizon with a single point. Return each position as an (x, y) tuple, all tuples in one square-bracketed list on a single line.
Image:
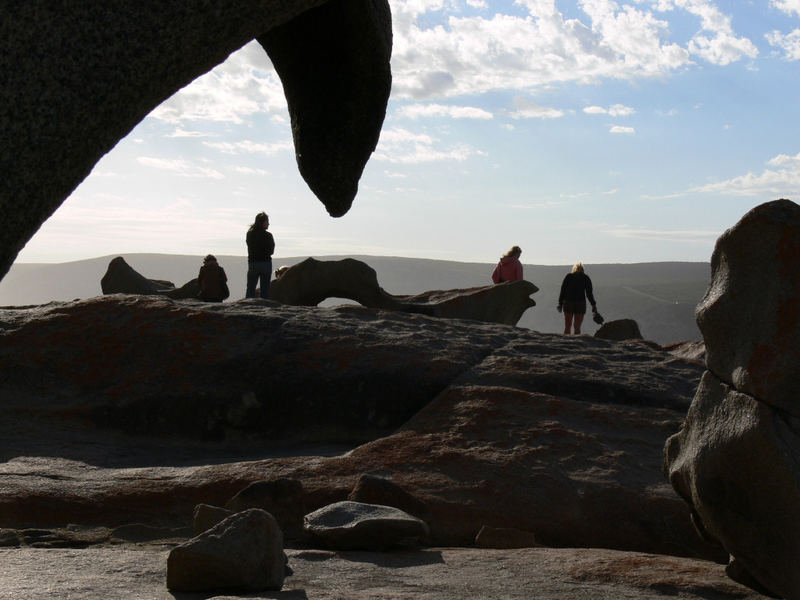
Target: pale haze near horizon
[(594, 130)]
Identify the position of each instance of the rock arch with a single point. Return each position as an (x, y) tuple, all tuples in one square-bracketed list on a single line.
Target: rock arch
[(75, 78)]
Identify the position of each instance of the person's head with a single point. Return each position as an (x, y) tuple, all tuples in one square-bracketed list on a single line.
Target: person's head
[(577, 267), (209, 259), (261, 221), (280, 271), (515, 251)]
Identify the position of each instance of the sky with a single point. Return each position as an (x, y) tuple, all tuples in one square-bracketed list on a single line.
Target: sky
[(591, 130)]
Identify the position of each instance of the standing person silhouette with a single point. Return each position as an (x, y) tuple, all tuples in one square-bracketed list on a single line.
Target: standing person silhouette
[(260, 246), (509, 268), (575, 289)]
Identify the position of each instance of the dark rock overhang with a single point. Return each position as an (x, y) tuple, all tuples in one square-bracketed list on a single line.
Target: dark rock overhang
[(75, 78)]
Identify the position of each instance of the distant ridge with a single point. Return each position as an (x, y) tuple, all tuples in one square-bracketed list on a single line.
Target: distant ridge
[(660, 296)]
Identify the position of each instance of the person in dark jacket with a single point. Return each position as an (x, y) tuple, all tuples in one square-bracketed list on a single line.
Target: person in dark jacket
[(212, 281), (260, 246), (575, 289)]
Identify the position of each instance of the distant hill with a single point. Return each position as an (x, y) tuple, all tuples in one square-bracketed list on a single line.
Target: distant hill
[(661, 297)]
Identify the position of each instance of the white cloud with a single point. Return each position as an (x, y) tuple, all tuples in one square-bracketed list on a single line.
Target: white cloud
[(249, 147), (716, 41), (249, 171), (787, 6), (180, 167), (789, 43), (664, 235), (476, 54), (530, 110), (245, 84), (621, 129), (183, 133), (405, 147), (616, 110), (415, 111), (783, 181), (595, 110)]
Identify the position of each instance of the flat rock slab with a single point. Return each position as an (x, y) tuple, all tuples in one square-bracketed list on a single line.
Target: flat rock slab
[(136, 572), (357, 525)]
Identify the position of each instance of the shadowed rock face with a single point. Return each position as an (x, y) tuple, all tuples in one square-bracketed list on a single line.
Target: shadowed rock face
[(735, 460), (77, 77)]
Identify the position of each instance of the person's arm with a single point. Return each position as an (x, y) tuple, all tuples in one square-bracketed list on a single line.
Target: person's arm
[(589, 293), (224, 276), (270, 244), (561, 293), (518, 271)]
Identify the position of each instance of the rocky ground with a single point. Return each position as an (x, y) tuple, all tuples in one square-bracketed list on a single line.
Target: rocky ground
[(557, 438), (138, 572)]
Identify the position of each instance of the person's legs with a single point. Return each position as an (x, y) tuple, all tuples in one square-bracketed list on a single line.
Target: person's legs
[(252, 279), (265, 276), (567, 322), (578, 321)]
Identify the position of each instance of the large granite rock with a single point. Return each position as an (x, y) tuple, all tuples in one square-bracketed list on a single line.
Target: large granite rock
[(78, 78), (243, 553), (749, 317), (482, 424), (736, 460), (310, 282)]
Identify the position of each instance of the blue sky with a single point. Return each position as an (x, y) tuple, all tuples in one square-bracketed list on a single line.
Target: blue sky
[(590, 130)]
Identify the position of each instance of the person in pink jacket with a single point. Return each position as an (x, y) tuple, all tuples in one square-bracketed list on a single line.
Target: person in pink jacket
[(509, 268)]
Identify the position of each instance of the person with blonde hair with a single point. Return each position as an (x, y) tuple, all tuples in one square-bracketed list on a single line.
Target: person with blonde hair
[(509, 268), (575, 289)]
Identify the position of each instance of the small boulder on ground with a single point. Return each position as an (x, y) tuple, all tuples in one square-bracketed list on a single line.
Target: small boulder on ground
[(283, 498), (243, 553), (206, 516), (619, 330), (371, 489), (351, 525)]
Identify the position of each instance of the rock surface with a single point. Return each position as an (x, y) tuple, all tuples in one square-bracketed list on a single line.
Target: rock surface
[(484, 424), (243, 553), (431, 574), (349, 525), (79, 79), (736, 458)]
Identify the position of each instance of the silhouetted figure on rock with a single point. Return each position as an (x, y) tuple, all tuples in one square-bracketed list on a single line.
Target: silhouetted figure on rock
[(509, 268), (575, 289), (260, 246), (212, 281)]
